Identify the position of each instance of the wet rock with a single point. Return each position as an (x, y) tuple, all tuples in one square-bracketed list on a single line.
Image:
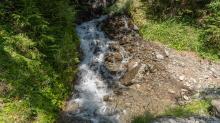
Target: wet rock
[(116, 47), (106, 98), (118, 57), (113, 67), (159, 56), (81, 55), (216, 107)]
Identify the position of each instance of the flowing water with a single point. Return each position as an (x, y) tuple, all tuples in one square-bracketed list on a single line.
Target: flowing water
[(93, 77)]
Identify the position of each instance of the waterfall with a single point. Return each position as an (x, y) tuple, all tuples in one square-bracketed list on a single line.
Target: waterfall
[(94, 79)]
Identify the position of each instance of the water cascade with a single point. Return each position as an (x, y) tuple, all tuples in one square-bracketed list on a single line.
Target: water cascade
[(93, 77)]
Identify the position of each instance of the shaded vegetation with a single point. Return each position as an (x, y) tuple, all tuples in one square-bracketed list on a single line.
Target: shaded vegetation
[(38, 58), (197, 107)]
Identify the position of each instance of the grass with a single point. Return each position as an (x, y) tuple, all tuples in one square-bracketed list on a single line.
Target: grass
[(179, 36), (180, 33), (38, 63), (197, 107)]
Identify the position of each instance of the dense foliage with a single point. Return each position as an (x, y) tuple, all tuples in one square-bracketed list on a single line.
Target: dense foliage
[(200, 13), (38, 58)]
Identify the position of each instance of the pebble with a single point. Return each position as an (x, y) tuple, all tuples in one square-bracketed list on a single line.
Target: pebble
[(184, 90), (196, 96), (166, 52), (138, 86), (185, 97), (181, 78), (206, 76), (159, 56), (172, 121), (192, 118), (106, 98), (171, 91)]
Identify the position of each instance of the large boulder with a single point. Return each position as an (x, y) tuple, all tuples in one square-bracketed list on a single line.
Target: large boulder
[(133, 76), (216, 107)]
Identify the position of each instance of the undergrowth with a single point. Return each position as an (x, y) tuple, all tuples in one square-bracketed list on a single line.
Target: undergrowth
[(38, 59), (185, 26), (198, 107)]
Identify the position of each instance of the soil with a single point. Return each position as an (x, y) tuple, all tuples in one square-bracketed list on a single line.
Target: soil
[(162, 88)]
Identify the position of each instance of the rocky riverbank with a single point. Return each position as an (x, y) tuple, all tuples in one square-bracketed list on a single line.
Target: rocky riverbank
[(156, 76), (152, 77)]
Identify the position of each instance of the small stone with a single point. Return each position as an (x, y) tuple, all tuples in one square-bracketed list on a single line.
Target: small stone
[(138, 86), (212, 69), (185, 97), (196, 96), (166, 52), (172, 121), (184, 90), (159, 56), (171, 91), (206, 76), (136, 28), (216, 107), (106, 98), (128, 104), (181, 78), (192, 118), (181, 102), (215, 119)]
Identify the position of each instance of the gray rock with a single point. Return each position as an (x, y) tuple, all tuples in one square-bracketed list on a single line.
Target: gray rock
[(184, 90), (171, 91), (151, 68), (181, 102), (136, 27), (159, 56), (186, 98), (133, 76), (192, 118), (214, 118), (128, 104), (166, 52), (216, 107), (206, 76), (196, 96), (182, 78), (172, 121)]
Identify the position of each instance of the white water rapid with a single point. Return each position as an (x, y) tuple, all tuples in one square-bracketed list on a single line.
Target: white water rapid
[(93, 77)]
